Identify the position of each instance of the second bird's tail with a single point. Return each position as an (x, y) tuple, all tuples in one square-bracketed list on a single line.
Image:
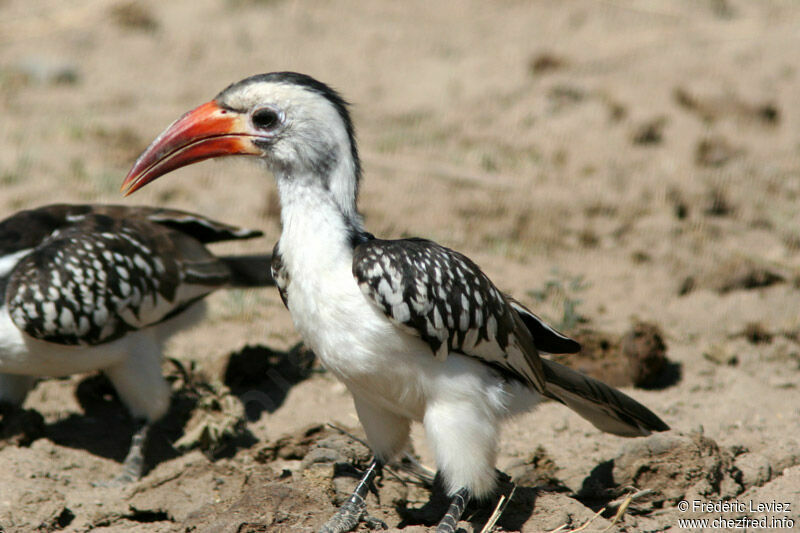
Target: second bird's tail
[(249, 270)]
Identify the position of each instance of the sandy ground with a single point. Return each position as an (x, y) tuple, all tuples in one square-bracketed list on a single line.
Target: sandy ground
[(607, 162)]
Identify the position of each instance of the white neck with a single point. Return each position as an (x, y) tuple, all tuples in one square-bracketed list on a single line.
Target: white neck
[(343, 184), (318, 222)]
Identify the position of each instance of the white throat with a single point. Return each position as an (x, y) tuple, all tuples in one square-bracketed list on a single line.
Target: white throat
[(317, 227)]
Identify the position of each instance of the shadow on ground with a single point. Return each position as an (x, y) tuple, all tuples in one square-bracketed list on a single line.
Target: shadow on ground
[(515, 513), (262, 377), (258, 376), (105, 427)]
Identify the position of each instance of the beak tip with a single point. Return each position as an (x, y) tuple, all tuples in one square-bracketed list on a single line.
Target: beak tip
[(126, 189)]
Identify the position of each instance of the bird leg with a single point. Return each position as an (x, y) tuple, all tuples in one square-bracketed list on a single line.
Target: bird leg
[(133, 465), (354, 510), (457, 504)]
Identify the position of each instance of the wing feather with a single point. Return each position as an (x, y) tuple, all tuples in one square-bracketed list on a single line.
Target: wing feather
[(99, 277), (445, 298)]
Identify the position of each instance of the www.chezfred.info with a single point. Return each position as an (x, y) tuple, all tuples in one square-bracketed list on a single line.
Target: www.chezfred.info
[(735, 514)]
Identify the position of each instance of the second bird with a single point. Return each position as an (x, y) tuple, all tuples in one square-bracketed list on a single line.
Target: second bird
[(102, 287)]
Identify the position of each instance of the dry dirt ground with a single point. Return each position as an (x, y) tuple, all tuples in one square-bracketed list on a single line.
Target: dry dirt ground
[(631, 170)]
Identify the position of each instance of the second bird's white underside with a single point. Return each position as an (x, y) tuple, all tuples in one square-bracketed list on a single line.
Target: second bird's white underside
[(132, 362)]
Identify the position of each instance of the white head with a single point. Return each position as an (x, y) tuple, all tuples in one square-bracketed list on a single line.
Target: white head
[(297, 125)]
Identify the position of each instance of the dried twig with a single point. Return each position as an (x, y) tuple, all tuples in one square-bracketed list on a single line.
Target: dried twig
[(348, 434), (622, 502), (498, 511), (623, 506), (626, 500), (563, 528)]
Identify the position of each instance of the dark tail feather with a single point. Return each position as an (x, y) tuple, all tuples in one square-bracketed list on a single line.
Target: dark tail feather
[(249, 270), (605, 407), (545, 337)]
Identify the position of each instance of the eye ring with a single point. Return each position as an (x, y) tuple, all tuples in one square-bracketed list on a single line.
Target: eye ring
[(266, 119)]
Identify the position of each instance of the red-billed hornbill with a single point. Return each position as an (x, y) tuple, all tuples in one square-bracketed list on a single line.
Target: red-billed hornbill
[(102, 287), (416, 331)]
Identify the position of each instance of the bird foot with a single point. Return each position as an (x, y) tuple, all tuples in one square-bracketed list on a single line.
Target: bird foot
[(349, 515), (133, 465), (119, 481), (132, 470), (374, 523), (454, 511)]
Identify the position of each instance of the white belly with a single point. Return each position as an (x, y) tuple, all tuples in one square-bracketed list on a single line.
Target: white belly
[(378, 361), (353, 339), (22, 354)]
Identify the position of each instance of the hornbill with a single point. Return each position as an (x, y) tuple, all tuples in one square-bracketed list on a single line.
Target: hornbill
[(416, 331), (102, 287)]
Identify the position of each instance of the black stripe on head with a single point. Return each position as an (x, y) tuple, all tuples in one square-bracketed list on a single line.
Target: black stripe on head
[(304, 80)]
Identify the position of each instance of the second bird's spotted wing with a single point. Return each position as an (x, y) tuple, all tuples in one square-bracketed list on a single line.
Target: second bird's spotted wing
[(95, 280), (444, 298)]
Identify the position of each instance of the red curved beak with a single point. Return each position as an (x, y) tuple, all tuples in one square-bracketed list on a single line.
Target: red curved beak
[(204, 132)]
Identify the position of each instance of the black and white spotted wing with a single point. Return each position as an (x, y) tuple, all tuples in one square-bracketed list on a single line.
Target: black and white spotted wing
[(103, 271), (279, 274), (443, 297)]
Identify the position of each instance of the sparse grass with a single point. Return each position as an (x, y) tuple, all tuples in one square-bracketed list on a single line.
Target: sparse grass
[(396, 138), (107, 181), (507, 247), (561, 291), (411, 129), (252, 3), (18, 172), (241, 305), (74, 129), (488, 163), (77, 170), (122, 145), (494, 155)]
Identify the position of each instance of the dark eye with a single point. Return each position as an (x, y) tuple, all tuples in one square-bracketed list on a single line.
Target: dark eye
[(266, 119)]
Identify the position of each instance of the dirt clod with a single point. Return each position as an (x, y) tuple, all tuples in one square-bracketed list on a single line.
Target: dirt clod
[(717, 203), (636, 358), (644, 348), (544, 62), (757, 333), (714, 152), (537, 470), (58, 522), (713, 107), (134, 15), (676, 467), (743, 274), (294, 446), (649, 132)]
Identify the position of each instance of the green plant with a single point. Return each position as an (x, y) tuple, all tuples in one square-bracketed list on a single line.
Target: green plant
[(561, 291)]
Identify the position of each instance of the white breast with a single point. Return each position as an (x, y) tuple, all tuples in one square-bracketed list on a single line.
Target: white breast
[(353, 338)]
